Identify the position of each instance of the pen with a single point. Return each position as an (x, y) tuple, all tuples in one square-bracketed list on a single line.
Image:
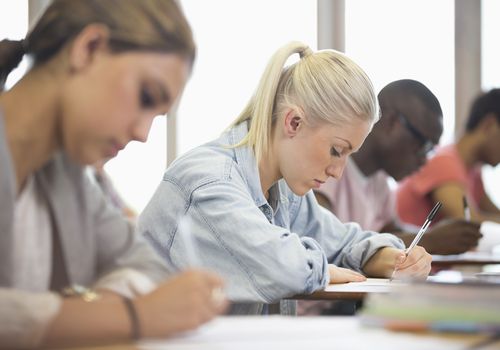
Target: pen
[(466, 209), (420, 233)]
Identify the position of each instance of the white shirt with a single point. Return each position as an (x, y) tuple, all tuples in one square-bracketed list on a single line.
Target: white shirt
[(367, 200)]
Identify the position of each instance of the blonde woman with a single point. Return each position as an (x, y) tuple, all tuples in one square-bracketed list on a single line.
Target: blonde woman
[(103, 69), (248, 198)]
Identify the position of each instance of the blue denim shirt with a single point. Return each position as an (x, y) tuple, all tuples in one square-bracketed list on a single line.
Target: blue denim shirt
[(265, 250)]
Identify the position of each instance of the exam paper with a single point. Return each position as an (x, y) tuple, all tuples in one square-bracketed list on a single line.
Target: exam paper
[(294, 333), (490, 242), (371, 285)]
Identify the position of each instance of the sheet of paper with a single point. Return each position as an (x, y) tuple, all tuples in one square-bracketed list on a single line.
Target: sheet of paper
[(293, 333), (371, 285), (469, 256), (490, 242)]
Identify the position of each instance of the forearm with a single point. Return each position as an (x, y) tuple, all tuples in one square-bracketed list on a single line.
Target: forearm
[(85, 323), (381, 264)]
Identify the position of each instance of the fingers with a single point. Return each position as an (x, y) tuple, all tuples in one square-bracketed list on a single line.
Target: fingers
[(342, 275), (416, 264), (214, 297)]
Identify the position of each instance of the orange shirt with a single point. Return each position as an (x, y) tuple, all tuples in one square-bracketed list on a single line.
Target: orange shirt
[(413, 194)]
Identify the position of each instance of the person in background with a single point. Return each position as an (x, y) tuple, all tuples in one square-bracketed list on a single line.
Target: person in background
[(454, 172), (246, 197), (102, 70), (409, 128)]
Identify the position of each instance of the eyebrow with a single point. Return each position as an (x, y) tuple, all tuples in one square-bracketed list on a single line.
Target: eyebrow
[(346, 141)]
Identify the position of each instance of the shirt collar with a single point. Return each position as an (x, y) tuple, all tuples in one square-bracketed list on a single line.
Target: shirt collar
[(245, 157)]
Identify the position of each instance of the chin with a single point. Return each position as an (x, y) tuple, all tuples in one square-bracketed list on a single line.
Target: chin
[(300, 191)]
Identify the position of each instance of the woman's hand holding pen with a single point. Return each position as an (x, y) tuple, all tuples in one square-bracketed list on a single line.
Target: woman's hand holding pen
[(382, 264), (417, 264), (181, 303)]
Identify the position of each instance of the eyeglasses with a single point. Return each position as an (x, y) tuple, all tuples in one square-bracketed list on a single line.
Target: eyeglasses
[(427, 145)]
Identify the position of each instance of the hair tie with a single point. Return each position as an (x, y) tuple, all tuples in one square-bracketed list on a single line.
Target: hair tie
[(306, 51)]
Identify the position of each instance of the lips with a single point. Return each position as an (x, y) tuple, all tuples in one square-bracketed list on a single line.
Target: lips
[(318, 183), (114, 149)]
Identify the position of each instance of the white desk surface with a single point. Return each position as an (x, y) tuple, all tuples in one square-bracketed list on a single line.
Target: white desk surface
[(314, 333), (467, 258)]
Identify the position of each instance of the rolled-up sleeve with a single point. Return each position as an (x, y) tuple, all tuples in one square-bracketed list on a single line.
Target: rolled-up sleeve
[(25, 317), (345, 244)]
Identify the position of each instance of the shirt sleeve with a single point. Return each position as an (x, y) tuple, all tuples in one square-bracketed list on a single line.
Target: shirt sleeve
[(118, 245), (437, 171), (345, 244), (260, 261), (25, 317)]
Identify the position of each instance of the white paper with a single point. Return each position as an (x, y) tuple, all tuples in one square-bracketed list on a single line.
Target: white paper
[(371, 285), (293, 333), (490, 242), (474, 257)]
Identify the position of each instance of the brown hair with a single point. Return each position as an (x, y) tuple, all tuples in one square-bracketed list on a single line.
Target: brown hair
[(148, 25)]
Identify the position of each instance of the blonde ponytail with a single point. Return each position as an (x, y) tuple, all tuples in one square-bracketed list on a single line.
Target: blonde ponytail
[(261, 106), (324, 86)]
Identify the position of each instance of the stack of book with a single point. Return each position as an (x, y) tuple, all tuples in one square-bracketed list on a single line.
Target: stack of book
[(466, 305)]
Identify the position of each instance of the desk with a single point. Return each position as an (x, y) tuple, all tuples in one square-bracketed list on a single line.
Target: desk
[(351, 290), (469, 258), (293, 333)]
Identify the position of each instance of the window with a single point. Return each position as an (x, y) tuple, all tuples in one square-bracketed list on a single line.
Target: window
[(394, 39), (13, 26), (235, 41)]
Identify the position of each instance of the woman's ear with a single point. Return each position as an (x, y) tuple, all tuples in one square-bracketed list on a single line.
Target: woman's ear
[(92, 40), (292, 123)]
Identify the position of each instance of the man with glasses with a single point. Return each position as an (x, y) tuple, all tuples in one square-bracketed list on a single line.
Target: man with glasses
[(409, 128)]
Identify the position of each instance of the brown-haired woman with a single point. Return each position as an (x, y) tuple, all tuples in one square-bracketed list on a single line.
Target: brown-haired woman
[(102, 70)]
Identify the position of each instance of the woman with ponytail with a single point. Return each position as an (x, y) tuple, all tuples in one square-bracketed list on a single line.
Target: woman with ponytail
[(72, 269), (247, 195)]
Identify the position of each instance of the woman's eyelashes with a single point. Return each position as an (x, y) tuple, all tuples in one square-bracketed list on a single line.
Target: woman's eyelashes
[(335, 152), (147, 99)]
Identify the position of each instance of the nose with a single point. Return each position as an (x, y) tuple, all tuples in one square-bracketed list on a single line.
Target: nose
[(141, 128), (336, 168)]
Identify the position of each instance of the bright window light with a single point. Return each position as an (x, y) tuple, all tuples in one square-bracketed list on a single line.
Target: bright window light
[(402, 39), (235, 41)]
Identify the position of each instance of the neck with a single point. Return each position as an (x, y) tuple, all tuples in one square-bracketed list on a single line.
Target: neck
[(366, 159), (268, 171), (468, 149), (30, 115)]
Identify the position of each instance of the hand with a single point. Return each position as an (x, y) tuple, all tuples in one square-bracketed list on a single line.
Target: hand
[(180, 304), (415, 265), (341, 275), (453, 236)]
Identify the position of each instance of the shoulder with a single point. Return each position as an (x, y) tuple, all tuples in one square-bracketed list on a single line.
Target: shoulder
[(209, 163)]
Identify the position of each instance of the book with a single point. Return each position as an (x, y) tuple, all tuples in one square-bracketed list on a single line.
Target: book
[(469, 305)]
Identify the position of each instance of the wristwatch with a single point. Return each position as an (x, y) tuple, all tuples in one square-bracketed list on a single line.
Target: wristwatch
[(77, 290)]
